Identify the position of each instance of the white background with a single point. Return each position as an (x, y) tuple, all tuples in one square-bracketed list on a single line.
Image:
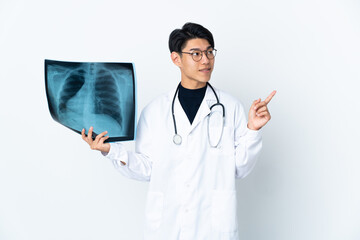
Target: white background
[(306, 183)]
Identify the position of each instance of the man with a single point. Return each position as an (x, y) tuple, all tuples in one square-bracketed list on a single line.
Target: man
[(192, 191)]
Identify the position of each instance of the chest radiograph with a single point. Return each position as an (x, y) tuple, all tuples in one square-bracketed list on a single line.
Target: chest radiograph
[(84, 94)]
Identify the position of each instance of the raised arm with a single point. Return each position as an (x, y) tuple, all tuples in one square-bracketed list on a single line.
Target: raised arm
[(248, 141)]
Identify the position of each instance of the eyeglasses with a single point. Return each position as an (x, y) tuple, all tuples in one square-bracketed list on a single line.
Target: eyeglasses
[(197, 54)]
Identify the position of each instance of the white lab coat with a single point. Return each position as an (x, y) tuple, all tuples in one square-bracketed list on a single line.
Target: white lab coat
[(192, 193)]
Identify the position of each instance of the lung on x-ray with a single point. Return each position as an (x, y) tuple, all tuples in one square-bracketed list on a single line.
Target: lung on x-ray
[(84, 94)]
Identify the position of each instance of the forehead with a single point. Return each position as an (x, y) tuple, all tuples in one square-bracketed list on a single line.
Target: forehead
[(197, 43)]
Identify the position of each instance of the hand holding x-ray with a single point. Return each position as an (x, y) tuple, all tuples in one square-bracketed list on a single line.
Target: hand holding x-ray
[(98, 142)]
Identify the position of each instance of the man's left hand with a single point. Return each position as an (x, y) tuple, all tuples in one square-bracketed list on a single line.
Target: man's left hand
[(259, 113)]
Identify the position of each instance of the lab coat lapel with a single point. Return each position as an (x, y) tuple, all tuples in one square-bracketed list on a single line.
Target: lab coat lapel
[(204, 109), (182, 121)]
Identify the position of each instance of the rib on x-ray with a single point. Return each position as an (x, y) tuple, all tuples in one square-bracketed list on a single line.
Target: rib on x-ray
[(84, 94)]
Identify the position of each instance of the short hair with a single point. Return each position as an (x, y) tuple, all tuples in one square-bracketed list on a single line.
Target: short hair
[(179, 37)]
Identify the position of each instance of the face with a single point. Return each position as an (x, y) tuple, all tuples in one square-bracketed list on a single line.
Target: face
[(194, 74)]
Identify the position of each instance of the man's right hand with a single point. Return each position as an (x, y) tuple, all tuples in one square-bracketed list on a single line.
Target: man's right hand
[(98, 142)]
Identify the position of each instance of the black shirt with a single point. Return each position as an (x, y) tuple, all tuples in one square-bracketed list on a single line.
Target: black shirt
[(190, 100)]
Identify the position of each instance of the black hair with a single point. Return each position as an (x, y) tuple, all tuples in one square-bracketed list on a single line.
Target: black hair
[(179, 37)]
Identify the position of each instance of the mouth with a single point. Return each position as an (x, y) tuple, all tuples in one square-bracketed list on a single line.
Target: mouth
[(205, 70)]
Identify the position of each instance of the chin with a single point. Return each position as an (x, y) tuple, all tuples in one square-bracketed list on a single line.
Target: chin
[(202, 81)]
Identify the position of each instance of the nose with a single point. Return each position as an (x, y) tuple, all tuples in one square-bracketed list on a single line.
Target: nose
[(204, 59)]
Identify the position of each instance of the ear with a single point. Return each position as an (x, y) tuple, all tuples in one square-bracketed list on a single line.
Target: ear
[(176, 59)]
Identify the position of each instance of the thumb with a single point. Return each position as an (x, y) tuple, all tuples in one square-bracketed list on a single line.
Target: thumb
[(254, 103), (252, 110)]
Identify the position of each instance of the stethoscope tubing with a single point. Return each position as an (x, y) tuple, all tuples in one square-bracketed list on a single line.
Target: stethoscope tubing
[(177, 138)]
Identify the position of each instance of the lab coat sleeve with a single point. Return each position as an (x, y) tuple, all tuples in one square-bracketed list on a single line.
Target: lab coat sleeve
[(137, 164), (248, 144)]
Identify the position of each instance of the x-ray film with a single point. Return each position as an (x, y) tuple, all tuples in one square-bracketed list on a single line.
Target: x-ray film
[(84, 94)]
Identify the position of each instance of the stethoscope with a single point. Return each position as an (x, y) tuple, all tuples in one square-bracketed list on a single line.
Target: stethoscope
[(178, 139)]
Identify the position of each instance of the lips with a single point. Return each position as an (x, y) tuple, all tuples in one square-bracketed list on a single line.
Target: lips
[(205, 70)]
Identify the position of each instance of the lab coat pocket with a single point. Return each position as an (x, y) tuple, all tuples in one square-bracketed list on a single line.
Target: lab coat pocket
[(224, 211), (154, 210)]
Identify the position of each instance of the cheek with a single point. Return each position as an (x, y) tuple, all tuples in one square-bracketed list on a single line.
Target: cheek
[(190, 67)]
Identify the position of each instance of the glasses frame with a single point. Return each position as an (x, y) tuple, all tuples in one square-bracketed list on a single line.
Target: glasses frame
[(205, 52)]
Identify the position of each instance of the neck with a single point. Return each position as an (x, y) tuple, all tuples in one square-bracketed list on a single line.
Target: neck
[(192, 85)]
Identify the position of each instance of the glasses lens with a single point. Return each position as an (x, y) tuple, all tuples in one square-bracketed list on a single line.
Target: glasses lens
[(211, 53), (196, 55)]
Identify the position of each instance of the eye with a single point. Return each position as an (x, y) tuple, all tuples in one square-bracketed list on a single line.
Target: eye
[(196, 53), (210, 52)]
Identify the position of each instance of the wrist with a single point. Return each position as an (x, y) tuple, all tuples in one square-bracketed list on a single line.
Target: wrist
[(106, 149), (249, 126)]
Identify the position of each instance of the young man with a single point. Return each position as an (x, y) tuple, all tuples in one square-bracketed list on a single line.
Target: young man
[(190, 155)]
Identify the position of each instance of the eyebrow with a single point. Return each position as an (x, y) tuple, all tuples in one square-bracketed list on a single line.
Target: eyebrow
[(193, 49)]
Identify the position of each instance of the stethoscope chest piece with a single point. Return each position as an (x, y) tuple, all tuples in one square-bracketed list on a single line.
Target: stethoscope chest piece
[(177, 139)]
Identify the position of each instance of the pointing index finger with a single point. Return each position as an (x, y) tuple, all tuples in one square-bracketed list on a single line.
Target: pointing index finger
[(268, 99)]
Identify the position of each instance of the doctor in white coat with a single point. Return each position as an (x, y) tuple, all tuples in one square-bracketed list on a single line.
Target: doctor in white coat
[(192, 194)]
